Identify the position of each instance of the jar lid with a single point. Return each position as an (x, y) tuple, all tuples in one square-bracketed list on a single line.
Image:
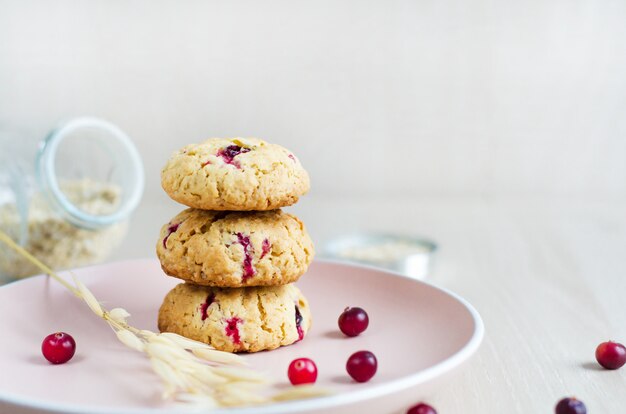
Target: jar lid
[(96, 160), (408, 255)]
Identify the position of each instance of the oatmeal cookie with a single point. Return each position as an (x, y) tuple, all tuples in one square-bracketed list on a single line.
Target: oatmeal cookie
[(236, 320), (239, 174), (233, 249)]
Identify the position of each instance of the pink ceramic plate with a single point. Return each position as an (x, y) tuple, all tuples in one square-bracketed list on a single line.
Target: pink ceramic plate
[(418, 332)]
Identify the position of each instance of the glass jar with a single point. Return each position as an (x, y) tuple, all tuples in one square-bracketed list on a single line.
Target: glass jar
[(67, 198)]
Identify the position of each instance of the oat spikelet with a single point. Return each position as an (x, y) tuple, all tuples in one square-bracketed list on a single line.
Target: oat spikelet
[(130, 340), (211, 355), (240, 374), (199, 401), (88, 297), (186, 343), (119, 315), (301, 392)]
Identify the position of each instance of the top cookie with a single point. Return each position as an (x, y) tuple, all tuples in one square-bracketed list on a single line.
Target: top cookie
[(239, 174)]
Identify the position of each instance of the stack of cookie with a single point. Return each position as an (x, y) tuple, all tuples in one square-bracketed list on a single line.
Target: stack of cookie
[(237, 252)]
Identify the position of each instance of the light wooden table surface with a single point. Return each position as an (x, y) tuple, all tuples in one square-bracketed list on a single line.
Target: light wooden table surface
[(548, 277)]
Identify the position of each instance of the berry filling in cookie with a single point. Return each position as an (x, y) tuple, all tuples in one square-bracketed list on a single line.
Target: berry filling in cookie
[(299, 324), (292, 157), (171, 229), (229, 153), (205, 306), (248, 250), (266, 248), (233, 330)]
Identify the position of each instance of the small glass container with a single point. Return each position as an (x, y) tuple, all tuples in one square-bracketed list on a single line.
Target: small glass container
[(67, 198), (412, 256)]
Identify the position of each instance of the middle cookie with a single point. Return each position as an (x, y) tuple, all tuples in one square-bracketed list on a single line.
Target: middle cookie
[(234, 249)]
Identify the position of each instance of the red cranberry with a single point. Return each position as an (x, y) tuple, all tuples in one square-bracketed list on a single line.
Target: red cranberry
[(353, 321), (302, 371), (421, 408), (248, 250), (266, 246), (299, 324), (362, 366), (232, 329), (170, 229), (611, 355), (204, 307), (570, 406), (229, 153), (58, 347)]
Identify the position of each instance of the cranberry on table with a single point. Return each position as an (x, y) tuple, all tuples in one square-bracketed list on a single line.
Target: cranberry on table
[(58, 347), (611, 355), (353, 321), (421, 408), (362, 366), (302, 371), (570, 405)]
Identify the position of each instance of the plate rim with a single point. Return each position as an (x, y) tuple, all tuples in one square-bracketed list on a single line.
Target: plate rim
[(330, 401)]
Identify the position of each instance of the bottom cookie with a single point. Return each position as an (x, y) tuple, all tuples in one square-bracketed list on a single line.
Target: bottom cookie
[(248, 319)]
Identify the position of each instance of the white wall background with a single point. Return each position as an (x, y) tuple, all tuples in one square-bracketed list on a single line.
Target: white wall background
[(386, 97)]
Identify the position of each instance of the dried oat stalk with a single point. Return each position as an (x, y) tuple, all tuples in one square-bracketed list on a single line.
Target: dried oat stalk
[(192, 372)]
